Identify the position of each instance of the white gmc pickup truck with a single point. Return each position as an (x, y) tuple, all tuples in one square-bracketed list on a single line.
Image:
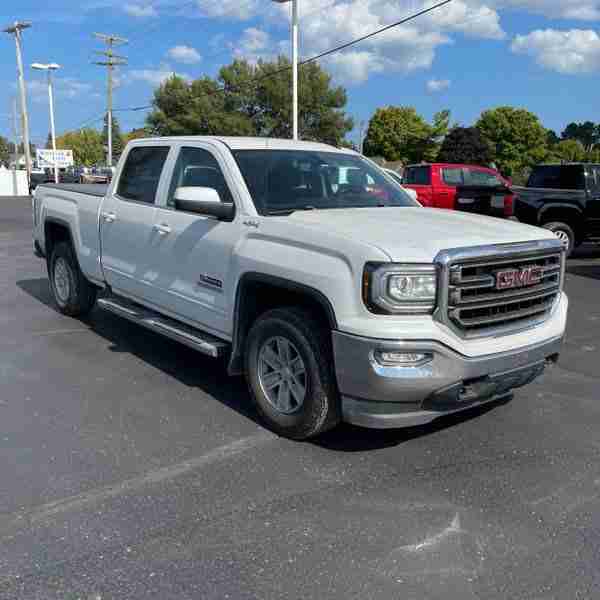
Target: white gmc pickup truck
[(311, 272)]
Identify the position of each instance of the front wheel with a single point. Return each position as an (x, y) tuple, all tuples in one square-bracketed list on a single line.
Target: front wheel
[(564, 233), (73, 293), (289, 368)]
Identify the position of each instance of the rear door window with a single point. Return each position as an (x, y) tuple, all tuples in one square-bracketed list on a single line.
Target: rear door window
[(479, 177), (418, 175), (558, 177), (452, 176), (141, 173)]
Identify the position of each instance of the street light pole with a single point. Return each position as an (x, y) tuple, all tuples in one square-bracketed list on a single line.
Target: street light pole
[(294, 65), (52, 130), (49, 68)]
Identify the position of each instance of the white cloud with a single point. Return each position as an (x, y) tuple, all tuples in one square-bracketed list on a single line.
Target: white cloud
[(64, 87), (155, 76), (437, 85), (571, 51), (254, 44), (402, 49), (230, 9), (355, 67), (583, 10), (140, 11), (184, 54)]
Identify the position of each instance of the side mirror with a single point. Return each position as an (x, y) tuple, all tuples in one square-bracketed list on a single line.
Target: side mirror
[(203, 201)]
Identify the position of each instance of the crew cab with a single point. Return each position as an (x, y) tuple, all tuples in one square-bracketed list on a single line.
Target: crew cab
[(336, 294), (468, 188), (564, 199)]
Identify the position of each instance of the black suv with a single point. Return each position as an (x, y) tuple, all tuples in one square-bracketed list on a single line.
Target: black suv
[(564, 199)]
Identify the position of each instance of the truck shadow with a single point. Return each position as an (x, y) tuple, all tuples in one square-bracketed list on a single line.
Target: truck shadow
[(198, 371), (348, 438), (582, 261), (591, 271)]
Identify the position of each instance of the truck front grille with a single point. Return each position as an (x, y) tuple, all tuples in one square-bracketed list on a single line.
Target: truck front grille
[(475, 304)]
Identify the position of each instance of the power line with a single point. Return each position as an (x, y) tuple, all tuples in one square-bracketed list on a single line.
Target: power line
[(376, 32), (339, 48)]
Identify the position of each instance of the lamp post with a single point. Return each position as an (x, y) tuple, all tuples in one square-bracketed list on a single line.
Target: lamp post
[(294, 64), (49, 68)]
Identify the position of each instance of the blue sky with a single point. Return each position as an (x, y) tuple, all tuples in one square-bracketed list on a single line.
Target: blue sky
[(543, 55)]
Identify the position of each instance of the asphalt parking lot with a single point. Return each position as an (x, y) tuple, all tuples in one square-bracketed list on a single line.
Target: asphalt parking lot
[(132, 467)]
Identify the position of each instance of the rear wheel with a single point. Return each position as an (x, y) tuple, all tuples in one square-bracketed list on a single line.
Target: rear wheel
[(289, 368), (73, 293), (564, 233)]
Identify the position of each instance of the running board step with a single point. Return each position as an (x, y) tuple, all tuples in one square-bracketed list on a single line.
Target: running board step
[(180, 332)]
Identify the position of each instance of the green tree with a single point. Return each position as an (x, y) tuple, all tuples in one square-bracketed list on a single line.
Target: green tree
[(587, 133), (117, 138), (593, 156), (4, 152), (248, 99), (569, 151), (466, 145), (551, 138), (135, 134), (49, 142), (517, 136), (86, 145), (21, 149), (399, 133)]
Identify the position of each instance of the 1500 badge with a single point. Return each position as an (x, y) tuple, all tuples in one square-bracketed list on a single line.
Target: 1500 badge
[(211, 281)]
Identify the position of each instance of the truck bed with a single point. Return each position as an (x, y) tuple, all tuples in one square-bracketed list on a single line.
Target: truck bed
[(549, 193), (76, 206), (93, 189)]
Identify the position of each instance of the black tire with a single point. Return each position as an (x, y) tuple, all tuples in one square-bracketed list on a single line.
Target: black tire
[(320, 410), (74, 295), (557, 227)]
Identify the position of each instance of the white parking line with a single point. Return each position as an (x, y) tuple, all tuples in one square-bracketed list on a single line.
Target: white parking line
[(79, 501)]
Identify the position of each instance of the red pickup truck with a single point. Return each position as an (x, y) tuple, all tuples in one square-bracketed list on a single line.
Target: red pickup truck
[(462, 187)]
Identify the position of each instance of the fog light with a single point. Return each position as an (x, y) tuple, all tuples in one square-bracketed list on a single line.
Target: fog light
[(394, 358)]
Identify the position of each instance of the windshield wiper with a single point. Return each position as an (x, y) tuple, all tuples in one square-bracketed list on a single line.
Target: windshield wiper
[(289, 211)]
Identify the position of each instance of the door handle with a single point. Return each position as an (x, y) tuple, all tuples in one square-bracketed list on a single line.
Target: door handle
[(109, 217), (163, 229)]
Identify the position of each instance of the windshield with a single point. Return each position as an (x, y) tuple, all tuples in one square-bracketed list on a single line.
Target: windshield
[(558, 177), (282, 181)]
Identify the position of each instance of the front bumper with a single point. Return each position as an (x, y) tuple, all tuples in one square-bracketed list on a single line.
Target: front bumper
[(385, 397)]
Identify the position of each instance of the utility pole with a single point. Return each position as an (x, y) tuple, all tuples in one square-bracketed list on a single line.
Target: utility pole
[(112, 61), (16, 30), (361, 137)]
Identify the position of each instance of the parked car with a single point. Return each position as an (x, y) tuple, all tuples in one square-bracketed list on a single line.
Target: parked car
[(98, 175), (72, 174), (468, 188), (398, 179), (338, 300), (36, 177), (564, 199)]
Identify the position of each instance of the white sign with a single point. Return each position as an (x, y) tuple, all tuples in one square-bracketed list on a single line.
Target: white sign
[(45, 158)]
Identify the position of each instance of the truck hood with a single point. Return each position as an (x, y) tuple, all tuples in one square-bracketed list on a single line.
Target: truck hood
[(417, 234)]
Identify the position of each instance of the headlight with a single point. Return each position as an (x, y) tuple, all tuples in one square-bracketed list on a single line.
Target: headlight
[(397, 288)]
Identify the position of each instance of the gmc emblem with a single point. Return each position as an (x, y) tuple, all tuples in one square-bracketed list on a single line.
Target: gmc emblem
[(517, 278)]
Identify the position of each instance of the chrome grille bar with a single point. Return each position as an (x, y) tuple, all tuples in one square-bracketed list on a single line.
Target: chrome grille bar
[(473, 304)]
